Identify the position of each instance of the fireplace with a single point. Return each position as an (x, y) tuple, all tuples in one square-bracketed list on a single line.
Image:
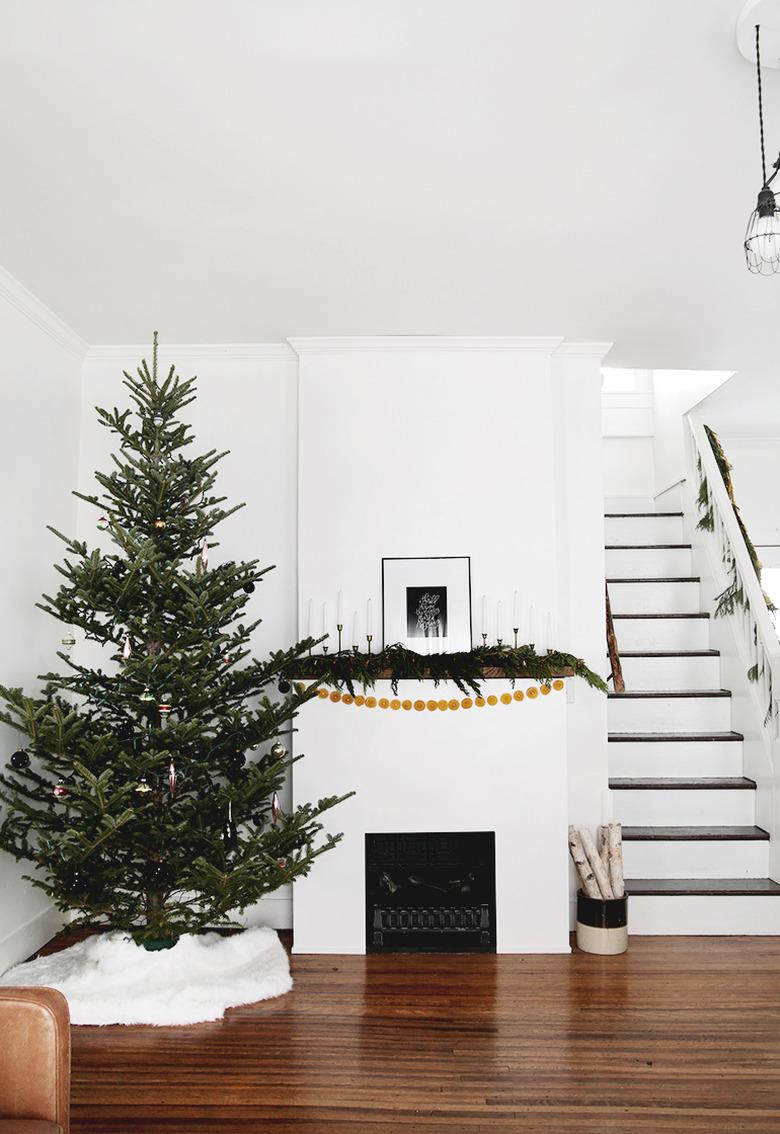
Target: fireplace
[(431, 892)]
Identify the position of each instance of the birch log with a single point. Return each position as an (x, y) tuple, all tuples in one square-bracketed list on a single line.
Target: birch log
[(604, 845), (589, 883), (616, 859), (596, 865)]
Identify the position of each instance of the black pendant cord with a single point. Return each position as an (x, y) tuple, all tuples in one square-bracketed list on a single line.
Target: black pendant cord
[(766, 181), (760, 103)]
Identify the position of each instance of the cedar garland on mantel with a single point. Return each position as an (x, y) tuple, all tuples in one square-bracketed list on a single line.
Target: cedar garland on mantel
[(466, 669)]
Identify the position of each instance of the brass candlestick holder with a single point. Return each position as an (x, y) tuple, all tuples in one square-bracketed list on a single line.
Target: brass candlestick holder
[(484, 639), (369, 639), (339, 627), (324, 649), (515, 631), (499, 641)]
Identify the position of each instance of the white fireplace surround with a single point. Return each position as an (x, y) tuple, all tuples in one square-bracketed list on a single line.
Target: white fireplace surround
[(490, 448), (500, 769)]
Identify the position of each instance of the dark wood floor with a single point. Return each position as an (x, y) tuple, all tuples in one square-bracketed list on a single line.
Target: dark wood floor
[(678, 1035)]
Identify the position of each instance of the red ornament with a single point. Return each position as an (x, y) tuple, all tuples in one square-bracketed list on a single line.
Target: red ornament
[(59, 791)]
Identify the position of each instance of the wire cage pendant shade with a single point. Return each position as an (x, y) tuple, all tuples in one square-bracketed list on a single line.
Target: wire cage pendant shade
[(762, 238)]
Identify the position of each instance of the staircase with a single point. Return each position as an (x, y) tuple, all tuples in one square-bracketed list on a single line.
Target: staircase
[(695, 861)]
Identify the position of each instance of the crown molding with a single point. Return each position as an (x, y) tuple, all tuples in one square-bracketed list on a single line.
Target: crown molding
[(583, 350), (233, 352), (423, 343), (17, 295)]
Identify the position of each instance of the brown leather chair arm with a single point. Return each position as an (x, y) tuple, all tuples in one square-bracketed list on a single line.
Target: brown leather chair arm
[(34, 1060)]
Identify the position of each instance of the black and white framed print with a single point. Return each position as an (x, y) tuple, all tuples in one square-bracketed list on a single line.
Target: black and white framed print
[(426, 604)]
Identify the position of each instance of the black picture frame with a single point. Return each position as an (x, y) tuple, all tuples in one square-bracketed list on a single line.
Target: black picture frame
[(443, 580)]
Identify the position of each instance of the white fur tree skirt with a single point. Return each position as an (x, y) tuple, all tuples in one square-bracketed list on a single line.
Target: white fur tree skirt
[(108, 979)]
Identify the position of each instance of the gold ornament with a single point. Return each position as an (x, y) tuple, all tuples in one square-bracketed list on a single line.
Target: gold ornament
[(159, 523)]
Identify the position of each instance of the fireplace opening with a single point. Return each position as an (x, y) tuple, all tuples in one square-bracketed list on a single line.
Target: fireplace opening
[(433, 892)]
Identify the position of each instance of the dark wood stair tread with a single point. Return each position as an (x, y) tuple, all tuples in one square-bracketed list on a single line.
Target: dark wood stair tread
[(638, 515), (682, 783), (647, 547), (660, 579), (715, 887), (645, 694), (693, 614), (693, 834), (652, 737), (669, 654)]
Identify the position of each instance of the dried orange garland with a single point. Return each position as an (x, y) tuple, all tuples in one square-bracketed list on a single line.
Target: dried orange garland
[(359, 700)]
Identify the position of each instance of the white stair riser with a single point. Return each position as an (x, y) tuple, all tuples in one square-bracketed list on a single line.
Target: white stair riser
[(676, 758), (631, 563), (694, 858), (703, 914), (644, 530), (662, 633), (654, 598), (671, 673), (669, 714), (705, 807)]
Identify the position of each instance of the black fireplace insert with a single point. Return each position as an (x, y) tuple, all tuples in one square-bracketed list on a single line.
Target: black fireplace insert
[(431, 892)]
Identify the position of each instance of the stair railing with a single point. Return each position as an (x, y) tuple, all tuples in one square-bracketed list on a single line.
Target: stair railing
[(755, 633), (618, 684)]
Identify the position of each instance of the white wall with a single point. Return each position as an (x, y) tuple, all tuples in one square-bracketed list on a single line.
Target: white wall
[(675, 392), (487, 448), (755, 475), (579, 508), (627, 428), (247, 403), (40, 367)]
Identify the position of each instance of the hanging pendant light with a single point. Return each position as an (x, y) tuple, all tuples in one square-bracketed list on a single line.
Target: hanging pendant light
[(762, 239)]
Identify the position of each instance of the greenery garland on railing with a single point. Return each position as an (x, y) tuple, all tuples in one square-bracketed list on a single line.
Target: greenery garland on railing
[(733, 596), (466, 669)]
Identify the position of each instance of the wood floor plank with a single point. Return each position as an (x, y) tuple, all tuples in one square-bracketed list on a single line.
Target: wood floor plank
[(677, 1035)]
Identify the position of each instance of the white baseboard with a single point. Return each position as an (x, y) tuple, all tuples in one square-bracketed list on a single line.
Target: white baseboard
[(274, 910), (27, 938)]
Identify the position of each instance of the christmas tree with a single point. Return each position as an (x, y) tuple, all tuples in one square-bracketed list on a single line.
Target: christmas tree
[(147, 792)]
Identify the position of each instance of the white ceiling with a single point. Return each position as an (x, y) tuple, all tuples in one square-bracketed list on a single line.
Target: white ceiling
[(241, 170)]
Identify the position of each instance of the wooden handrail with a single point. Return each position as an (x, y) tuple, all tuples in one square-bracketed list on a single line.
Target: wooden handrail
[(618, 683), (754, 626)]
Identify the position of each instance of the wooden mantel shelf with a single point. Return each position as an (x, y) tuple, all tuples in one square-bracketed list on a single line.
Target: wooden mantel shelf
[(488, 673)]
